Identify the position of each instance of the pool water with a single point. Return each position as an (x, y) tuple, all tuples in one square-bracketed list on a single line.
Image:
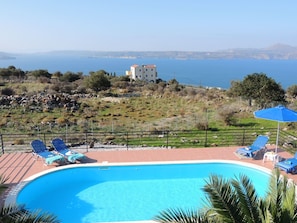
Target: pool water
[(114, 193)]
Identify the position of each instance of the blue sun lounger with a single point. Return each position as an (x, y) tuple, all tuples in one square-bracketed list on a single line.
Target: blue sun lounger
[(289, 165), (63, 149), (40, 151), (258, 145)]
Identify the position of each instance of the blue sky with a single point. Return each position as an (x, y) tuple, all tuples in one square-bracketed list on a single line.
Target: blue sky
[(145, 25)]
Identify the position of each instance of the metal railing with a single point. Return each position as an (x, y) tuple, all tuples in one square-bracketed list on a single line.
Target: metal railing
[(132, 139)]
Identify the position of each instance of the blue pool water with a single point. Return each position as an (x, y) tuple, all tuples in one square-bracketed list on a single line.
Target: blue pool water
[(91, 194)]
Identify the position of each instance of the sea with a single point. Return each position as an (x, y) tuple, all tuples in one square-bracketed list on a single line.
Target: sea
[(203, 72)]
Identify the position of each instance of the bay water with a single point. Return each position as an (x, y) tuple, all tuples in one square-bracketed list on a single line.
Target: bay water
[(207, 73)]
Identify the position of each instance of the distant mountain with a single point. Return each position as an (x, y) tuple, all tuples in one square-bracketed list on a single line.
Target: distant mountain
[(281, 48), (277, 51), (6, 56)]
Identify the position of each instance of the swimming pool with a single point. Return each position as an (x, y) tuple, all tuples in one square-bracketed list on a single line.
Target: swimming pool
[(120, 192)]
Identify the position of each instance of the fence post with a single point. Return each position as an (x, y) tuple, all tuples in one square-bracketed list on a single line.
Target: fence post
[(44, 139), (86, 141), (2, 145), (167, 133), (66, 133), (243, 138), (127, 140), (205, 144)]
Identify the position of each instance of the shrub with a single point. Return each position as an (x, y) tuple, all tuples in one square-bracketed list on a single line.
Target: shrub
[(3, 122), (81, 90), (120, 84), (227, 115), (67, 88), (61, 121), (202, 125), (7, 91), (56, 87), (24, 89), (292, 91), (110, 137), (44, 80), (19, 142)]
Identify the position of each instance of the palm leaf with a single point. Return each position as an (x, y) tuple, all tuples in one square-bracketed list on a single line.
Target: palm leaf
[(181, 216), (17, 214), (236, 201), (248, 199), (223, 199), (3, 186), (276, 194)]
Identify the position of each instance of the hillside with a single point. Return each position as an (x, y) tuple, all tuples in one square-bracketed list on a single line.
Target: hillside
[(43, 102), (137, 107), (277, 51)]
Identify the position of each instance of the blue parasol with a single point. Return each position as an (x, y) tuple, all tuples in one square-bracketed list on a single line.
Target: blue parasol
[(279, 114)]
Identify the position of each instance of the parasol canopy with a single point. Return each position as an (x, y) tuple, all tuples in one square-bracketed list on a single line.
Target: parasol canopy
[(278, 114)]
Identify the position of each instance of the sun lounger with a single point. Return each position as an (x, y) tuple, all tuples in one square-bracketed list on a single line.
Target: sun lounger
[(63, 149), (258, 145), (289, 165), (40, 151)]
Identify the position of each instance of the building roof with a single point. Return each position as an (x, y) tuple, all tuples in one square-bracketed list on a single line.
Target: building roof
[(150, 66), (146, 66)]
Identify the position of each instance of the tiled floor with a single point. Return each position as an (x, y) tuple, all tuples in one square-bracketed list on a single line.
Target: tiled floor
[(19, 166)]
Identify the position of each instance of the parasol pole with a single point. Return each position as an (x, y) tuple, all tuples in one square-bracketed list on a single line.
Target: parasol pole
[(277, 135)]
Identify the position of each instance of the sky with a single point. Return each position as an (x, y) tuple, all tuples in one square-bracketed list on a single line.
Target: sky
[(145, 25)]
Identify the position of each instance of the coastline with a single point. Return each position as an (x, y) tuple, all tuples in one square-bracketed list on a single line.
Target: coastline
[(218, 73)]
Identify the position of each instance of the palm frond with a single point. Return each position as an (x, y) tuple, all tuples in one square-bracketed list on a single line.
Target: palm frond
[(248, 199), (223, 199), (38, 217), (233, 201), (276, 194), (3, 186), (182, 216), (18, 214)]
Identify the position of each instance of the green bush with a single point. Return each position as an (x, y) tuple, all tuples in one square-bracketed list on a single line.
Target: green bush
[(7, 91)]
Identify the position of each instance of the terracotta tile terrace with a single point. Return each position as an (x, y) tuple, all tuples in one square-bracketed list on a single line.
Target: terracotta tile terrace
[(19, 166)]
